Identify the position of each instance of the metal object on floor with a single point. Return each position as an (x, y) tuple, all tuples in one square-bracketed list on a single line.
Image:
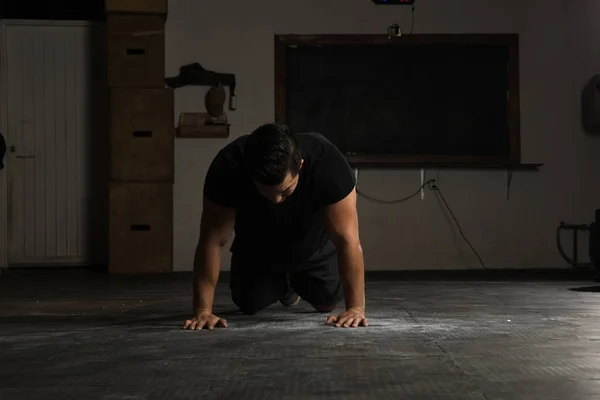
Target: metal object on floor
[(594, 242)]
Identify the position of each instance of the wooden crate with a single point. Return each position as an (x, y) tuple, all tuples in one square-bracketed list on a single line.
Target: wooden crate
[(136, 6), (136, 50), (140, 228), (142, 135)]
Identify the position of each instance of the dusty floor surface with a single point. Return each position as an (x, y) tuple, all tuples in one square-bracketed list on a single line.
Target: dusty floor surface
[(88, 336)]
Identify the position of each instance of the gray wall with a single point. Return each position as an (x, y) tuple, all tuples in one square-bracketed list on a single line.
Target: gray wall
[(559, 53)]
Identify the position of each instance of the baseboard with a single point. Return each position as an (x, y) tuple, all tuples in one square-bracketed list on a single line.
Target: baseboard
[(563, 274), (515, 275), (496, 275)]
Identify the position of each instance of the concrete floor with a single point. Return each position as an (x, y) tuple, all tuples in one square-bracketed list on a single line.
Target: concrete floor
[(82, 335)]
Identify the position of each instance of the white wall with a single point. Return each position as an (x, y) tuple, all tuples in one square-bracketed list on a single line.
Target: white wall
[(559, 42)]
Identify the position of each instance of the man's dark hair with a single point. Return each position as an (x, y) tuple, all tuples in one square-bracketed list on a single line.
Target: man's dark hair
[(270, 152)]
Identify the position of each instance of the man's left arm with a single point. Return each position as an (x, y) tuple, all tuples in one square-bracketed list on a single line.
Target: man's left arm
[(342, 225)]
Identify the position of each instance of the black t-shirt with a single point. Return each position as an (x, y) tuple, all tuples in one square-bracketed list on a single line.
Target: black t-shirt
[(293, 230)]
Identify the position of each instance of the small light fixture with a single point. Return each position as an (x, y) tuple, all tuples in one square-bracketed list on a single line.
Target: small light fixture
[(394, 31)]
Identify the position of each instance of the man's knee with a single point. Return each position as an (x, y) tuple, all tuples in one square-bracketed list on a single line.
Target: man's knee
[(244, 308), (324, 308), (249, 309), (249, 306)]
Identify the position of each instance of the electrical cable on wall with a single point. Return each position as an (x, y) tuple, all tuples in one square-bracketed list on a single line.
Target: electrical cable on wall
[(364, 196), (431, 185), (437, 190)]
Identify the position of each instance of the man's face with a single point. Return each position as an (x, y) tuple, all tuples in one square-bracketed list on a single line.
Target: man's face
[(278, 193)]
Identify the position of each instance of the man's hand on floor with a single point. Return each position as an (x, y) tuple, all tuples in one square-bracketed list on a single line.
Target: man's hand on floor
[(206, 320), (350, 318)]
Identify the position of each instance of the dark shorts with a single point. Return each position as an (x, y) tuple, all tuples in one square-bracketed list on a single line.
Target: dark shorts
[(256, 285)]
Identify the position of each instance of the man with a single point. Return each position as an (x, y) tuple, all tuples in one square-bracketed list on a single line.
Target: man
[(292, 202)]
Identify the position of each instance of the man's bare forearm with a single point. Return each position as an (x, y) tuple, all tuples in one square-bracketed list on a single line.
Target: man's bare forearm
[(352, 274), (207, 264)]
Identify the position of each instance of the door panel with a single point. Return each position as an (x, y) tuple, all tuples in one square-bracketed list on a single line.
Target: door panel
[(49, 114)]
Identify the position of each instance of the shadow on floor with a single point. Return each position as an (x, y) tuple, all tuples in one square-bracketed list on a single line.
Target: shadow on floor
[(586, 289)]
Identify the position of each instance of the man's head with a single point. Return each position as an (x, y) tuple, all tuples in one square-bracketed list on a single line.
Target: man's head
[(273, 160)]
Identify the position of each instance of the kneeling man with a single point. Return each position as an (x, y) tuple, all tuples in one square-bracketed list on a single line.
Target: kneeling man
[(291, 199)]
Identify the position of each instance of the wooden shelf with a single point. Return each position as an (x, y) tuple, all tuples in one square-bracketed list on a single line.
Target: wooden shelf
[(203, 131), (201, 125)]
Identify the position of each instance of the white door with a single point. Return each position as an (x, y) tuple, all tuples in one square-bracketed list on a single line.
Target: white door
[(52, 112)]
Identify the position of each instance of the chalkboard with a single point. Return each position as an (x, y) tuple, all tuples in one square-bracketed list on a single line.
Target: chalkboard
[(434, 99), (88, 10)]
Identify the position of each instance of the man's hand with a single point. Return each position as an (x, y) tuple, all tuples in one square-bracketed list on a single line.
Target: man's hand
[(206, 320), (342, 224), (350, 318)]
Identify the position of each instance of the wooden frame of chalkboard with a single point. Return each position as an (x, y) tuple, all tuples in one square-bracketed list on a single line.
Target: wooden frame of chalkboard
[(511, 158)]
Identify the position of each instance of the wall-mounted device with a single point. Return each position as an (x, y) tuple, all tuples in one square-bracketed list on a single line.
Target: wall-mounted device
[(195, 74), (394, 2), (394, 31)]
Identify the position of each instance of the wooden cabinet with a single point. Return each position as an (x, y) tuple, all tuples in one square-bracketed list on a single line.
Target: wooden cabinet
[(136, 50), (142, 134), (136, 6), (141, 228), (141, 139)]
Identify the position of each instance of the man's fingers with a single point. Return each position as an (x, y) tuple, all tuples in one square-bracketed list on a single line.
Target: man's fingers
[(347, 321), (362, 321), (217, 322), (210, 323)]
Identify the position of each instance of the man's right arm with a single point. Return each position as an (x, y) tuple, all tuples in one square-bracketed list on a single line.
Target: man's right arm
[(216, 228)]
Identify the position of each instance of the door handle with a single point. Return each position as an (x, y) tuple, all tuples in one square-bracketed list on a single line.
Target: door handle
[(2, 150), (13, 149)]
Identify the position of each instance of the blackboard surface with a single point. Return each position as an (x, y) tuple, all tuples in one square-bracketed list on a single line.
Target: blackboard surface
[(80, 10), (440, 99)]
